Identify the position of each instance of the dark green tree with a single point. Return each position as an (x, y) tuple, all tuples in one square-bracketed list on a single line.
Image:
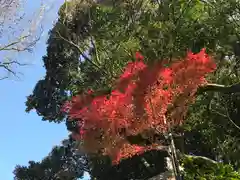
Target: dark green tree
[(62, 163)]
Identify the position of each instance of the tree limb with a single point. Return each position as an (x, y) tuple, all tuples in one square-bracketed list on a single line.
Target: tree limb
[(220, 88), (202, 158), (236, 88), (226, 116), (80, 51), (9, 46), (230, 119), (7, 67), (2, 78)]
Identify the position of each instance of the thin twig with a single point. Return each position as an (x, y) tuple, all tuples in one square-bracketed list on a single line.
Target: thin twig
[(224, 115), (8, 69), (13, 43), (230, 119), (3, 78)]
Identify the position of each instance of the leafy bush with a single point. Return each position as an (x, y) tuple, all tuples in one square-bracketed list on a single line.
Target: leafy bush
[(201, 168)]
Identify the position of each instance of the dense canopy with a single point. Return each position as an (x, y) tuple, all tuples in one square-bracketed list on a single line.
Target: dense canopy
[(92, 42)]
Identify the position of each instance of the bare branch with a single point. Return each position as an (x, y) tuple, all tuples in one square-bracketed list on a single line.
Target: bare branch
[(9, 46), (6, 67), (2, 78), (230, 119), (13, 62), (19, 32)]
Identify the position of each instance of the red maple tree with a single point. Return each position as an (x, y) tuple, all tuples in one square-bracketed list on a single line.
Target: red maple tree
[(145, 98)]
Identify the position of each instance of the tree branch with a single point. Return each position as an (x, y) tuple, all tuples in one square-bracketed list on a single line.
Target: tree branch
[(9, 46), (80, 51), (202, 158), (226, 109), (2, 78), (230, 119), (7, 67), (220, 88), (226, 116)]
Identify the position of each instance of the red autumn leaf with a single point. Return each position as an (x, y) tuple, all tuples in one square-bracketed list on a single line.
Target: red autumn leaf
[(139, 56), (141, 101)]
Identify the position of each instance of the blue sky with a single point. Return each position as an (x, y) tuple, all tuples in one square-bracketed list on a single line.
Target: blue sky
[(23, 136)]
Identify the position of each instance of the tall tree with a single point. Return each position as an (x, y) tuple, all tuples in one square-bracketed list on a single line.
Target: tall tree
[(92, 42), (62, 163)]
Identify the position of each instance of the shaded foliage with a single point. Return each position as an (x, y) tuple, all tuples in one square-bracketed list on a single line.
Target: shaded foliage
[(61, 163), (137, 167)]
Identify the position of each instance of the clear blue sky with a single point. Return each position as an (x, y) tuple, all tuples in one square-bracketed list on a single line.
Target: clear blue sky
[(23, 136)]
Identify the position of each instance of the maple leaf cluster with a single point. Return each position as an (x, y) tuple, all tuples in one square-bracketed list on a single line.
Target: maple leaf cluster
[(145, 98)]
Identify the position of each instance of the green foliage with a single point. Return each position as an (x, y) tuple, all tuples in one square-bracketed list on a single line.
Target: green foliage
[(105, 36), (210, 127), (204, 169), (113, 33), (61, 163)]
